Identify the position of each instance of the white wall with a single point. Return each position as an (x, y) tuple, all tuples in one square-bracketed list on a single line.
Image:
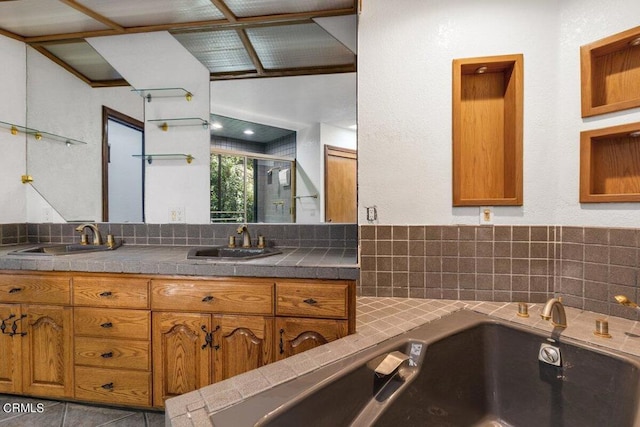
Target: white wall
[(157, 60), (12, 110), (404, 104), (69, 178)]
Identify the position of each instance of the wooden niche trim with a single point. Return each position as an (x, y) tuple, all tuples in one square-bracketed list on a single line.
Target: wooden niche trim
[(610, 73), (487, 130), (610, 164)]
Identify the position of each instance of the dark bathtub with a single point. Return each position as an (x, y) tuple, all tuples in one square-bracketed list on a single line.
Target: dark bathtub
[(465, 370)]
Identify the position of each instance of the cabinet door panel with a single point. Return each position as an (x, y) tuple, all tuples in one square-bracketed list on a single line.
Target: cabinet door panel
[(181, 358), (48, 350), (10, 350), (241, 343), (296, 335)]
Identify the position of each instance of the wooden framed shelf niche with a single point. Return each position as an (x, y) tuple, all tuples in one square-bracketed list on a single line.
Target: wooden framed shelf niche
[(610, 73), (610, 164), (487, 130)]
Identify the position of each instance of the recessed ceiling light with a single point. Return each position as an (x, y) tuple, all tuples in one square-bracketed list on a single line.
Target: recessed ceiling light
[(216, 126), (248, 132)]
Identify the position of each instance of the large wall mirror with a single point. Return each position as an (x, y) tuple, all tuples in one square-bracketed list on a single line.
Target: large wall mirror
[(282, 104)]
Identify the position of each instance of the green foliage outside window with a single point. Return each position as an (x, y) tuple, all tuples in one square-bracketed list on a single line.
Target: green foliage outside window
[(228, 184)]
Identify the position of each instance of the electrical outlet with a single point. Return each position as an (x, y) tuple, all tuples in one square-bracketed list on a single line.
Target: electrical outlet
[(486, 215), (176, 214), (372, 213)]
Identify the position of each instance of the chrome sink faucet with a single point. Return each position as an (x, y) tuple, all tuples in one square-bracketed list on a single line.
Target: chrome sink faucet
[(97, 237), (553, 310), (246, 237)]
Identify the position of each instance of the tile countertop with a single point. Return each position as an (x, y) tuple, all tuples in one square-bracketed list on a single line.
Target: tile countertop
[(317, 263), (377, 320)]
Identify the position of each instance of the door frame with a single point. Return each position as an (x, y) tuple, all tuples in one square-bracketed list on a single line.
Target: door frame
[(123, 119)]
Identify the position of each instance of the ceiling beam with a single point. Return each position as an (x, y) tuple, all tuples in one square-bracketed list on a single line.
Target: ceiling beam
[(289, 72), (222, 7), (11, 35), (251, 51)]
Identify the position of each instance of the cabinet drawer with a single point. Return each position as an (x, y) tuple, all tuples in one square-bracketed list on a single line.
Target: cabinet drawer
[(112, 323), (113, 386), (220, 297), (312, 300), (113, 353), (35, 289), (111, 292)]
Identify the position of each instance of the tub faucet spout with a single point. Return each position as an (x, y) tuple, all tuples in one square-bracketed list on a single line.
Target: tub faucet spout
[(390, 363), (554, 311), (246, 238)]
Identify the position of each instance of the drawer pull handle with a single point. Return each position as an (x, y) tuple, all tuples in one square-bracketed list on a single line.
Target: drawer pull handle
[(108, 355), (108, 386), (310, 301), (107, 325), (15, 290), (105, 294), (207, 298)]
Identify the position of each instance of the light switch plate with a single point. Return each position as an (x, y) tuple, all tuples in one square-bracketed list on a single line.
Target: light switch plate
[(176, 214)]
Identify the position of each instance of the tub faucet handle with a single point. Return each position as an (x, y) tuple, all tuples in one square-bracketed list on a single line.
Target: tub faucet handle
[(390, 363)]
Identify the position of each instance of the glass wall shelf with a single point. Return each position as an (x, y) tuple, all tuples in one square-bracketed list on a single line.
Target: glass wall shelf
[(38, 134), (165, 124), (151, 157), (171, 92)]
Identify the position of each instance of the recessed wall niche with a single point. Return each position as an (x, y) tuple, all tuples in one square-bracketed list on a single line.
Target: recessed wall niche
[(487, 130), (610, 73), (610, 164)]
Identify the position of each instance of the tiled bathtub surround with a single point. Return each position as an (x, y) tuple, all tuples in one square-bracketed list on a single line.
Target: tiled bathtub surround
[(586, 265), (283, 235), (11, 234)]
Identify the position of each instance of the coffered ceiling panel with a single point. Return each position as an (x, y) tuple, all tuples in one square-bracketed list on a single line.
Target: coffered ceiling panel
[(219, 51), (31, 18), (301, 45), (84, 59), (154, 12)]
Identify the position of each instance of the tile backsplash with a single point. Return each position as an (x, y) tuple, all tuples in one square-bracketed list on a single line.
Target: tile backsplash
[(587, 266), (284, 235), (12, 234)]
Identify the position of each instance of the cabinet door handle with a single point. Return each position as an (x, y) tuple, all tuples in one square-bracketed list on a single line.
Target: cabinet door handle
[(15, 290), (207, 298), (108, 355), (14, 327), (107, 386), (281, 341), (208, 338), (107, 325), (105, 294), (310, 301)]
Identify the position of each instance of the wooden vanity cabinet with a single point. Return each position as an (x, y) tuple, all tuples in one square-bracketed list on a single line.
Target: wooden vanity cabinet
[(134, 340), (312, 313), (112, 333), (230, 331), (36, 345)]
